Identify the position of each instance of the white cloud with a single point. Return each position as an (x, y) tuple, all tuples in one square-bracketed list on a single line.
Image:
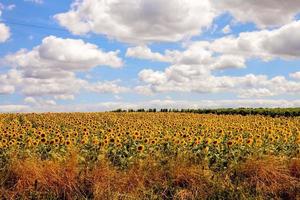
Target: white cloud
[(192, 70), (139, 21), (107, 87), (144, 90), (266, 45), (30, 100), (229, 61), (229, 52), (14, 108), (6, 89), (4, 29), (178, 78), (51, 86), (277, 43), (196, 56), (295, 75), (64, 97), (152, 77), (39, 102), (256, 92), (49, 69), (264, 13), (4, 33), (144, 52), (8, 81), (63, 54), (142, 21)]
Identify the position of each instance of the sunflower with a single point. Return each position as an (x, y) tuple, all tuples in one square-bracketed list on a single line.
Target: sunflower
[(106, 142), (140, 148), (249, 141), (43, 140), (95, 140), (230, 143), (112, 140), (258, 142), (153, 142), (146, 140), (207, 141), (216, 142), (68, 143)]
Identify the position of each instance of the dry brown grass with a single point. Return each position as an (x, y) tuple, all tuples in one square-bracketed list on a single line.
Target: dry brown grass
[(192, 180), (269, 176), (44, 177), (108, 182), (147, 179), (294, 167)]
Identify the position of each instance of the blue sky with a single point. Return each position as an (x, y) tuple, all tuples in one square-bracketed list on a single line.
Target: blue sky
[(95, 55)]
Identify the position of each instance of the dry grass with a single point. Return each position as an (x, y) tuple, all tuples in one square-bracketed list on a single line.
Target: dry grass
[(269, 176), (294, 167), (145, 179), (44, 177), (148, 179)]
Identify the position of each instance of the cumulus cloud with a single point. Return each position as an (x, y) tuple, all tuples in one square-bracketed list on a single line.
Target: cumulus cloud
[(192, 70), (196, 55), (49, 69), (264, 13), (39, 101), (144, 52), (266, 44), (231, 51), (4, 30), (188, 79), (8, 81), (63, 54), (52, 86), (139, 21), (144, 90), (107, 87), (6, 89), (229, 61), (256, 92), (295, 75), (142, 21), (152, 77), (14, 108)]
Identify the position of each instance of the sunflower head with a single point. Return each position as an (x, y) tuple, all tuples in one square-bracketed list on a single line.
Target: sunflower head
[(140, 148)]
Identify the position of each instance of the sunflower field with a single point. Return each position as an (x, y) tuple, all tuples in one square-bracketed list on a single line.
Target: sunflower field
[(149, 156)]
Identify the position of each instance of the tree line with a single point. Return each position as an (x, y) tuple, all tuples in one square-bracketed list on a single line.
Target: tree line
[(273, 112)]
